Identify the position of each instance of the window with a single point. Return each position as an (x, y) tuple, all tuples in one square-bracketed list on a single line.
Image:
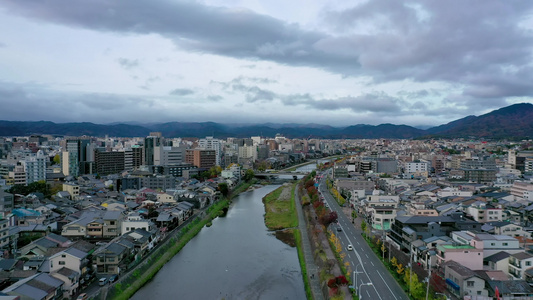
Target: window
[(62, 262), (470, 283), (528, 263), (505, 244)]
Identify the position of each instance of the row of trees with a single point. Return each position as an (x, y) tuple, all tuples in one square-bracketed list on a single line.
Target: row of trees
[(416, 288), (36, 187), (325, 216)]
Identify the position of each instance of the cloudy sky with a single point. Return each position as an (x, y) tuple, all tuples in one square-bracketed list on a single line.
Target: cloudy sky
[(230, 61)]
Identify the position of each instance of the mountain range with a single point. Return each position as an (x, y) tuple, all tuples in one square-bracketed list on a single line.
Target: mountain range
[(514, 121)]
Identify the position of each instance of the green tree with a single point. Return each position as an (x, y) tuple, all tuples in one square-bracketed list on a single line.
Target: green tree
[(215, 171), (223, 188), (249, 175), (57, 159), (363, 226)]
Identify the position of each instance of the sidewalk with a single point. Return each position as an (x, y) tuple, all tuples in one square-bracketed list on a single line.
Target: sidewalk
[(312, 268)]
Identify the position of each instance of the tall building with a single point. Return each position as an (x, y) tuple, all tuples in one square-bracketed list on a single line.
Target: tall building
[(18, 175), (167, 155), (211, 143), (201, 158), (35, 167), (6, 203), (74, 157), (150, 143), (109, 162)]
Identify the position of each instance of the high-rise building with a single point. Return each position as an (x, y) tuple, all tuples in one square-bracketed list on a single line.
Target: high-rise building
[(201, 158), (211, 143), (109, 162), (35, 167), (150, 143), (74, 157), (167, 155)]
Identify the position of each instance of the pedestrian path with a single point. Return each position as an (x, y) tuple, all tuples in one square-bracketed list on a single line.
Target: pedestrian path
[(312, 268)]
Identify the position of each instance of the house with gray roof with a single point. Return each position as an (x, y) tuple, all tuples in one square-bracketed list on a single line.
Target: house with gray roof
[(498, 261), (38, 286), (108, 258), (461, 281)]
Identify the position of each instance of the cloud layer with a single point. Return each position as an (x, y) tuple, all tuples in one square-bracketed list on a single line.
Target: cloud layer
[(375, 59)]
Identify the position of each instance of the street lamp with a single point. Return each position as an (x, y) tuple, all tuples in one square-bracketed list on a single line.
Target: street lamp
[(361, 294), (355, 277), (429, 275)]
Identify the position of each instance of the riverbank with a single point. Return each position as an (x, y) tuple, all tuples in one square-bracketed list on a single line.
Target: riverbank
[(280, 212), (282, 217), (145, 272), (135, 279)]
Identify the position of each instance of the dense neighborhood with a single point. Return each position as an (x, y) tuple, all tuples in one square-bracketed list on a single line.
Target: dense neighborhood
[(79, 208)]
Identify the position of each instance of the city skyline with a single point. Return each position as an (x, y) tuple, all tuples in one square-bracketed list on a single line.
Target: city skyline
[(417, 63)]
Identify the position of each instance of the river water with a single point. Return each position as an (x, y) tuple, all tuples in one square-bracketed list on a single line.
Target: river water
[(236, 258)]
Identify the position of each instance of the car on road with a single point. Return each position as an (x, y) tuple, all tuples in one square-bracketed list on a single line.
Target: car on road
[(349, 248), (113, 278), (339, 228), (82, 296), (102, 281)]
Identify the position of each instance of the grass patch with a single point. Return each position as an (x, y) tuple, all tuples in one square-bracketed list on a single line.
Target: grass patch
[(280, 208), (243, 186), (301, 259)]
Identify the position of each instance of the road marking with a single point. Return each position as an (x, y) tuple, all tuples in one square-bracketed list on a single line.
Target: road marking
[(372, 262), (362, 264), (387, 285)]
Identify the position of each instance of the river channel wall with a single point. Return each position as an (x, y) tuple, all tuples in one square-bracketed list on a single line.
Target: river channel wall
[(138, 275)]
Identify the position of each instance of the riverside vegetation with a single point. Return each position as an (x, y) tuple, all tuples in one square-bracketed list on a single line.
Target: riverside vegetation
[(281, 216), (146, 270)]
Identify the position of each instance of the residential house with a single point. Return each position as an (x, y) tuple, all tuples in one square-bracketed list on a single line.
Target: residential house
[(462, 281), (466, 255), (407, 229), (135, 221), (107, 260), (498, 261), (519, 263), (71, 280), (38, 286), (165, 198), (484, 212)]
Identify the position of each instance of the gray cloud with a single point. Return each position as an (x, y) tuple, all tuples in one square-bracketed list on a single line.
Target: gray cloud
[(375, 102), (215, 98), (181, 92), (487, 54), (128, 63), (22, 103)]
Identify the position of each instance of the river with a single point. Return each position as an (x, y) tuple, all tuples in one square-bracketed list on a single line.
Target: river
[(236, 258)]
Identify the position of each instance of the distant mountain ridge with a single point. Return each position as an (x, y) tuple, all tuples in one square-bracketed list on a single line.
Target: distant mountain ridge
[(514, 121)]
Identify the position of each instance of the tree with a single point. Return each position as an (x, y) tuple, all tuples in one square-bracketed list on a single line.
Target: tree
[(394, 262), (400, 269), (57, 159), (215, 171), (363, 226), (223, 188), (327, 219), (249, 175)]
